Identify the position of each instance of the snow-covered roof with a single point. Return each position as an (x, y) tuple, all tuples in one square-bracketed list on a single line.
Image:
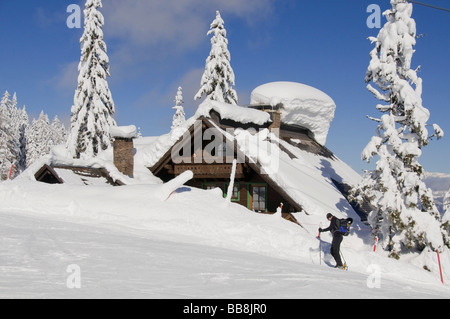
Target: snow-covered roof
[(60, 158), (303, 105), (236, 113), (301, 171), (303, 174)]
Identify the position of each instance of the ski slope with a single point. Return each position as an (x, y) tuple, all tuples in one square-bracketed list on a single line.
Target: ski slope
[(128, 242)]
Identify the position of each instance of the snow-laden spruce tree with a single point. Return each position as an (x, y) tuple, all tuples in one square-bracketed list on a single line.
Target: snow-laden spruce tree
[(42, 136), (13, 123), (5, 137), (179, 117), (39, 138), (404, 214), (446, 217), (447, 202), (20, 123), (58, 132), (218, 79), (93, 104)]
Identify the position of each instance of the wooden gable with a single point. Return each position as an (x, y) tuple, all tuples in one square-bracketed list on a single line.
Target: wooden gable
[(203, 162), (48, 175)]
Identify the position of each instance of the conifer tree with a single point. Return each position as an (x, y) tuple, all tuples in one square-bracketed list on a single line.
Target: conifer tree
[(20, 123), (93, 104), (446, 218), (179, 117), (447, 202), (38, 138), (42, 136), (11, 130), (218, 79), (58, 132), (404, 214), (5, 137)]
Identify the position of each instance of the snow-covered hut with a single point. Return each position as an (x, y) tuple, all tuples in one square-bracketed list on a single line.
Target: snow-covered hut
[(272, 151), (278, 142), (116, 170)]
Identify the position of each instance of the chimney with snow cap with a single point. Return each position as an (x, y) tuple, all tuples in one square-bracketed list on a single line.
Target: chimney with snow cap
[(275, 116), (124, 148), (274, 111)]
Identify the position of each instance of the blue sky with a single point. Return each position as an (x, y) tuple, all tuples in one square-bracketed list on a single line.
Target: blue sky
[(155, 46)]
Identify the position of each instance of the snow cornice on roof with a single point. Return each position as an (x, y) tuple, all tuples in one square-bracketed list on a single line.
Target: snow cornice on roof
[(235, 113)]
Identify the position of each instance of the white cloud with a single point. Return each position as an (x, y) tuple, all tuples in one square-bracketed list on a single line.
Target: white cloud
[(182, 24), (151, 43), (165, 97), (67, 77)]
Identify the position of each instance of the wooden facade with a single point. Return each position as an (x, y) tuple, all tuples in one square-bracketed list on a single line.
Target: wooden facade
[(48, 175)]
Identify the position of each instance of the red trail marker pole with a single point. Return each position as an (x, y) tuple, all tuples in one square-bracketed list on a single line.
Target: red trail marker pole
[(440, 268), (375, 245), (10, 171)]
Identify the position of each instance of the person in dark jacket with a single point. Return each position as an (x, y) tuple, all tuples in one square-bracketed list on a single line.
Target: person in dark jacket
[(337, 239)]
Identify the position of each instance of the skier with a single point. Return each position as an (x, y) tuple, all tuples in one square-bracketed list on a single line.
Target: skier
[(337, 239)]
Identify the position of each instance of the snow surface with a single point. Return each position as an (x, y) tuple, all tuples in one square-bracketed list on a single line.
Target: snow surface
[(155, 240), (129, 242), (302, 105)]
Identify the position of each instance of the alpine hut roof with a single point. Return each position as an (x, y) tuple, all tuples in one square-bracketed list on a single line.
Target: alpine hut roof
[(293, 160)]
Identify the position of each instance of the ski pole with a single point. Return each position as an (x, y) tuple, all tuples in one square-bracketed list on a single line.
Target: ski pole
[(342, 255), (320, 246), (343, 258)]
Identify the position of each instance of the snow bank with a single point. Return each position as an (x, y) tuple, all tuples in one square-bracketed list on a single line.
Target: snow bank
[(302, 105), (189, 216)]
